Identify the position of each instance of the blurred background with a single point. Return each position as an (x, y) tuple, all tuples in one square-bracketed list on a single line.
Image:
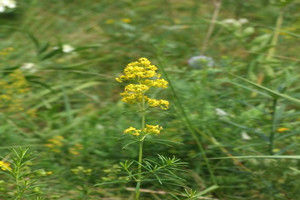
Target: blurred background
[(233, 69)]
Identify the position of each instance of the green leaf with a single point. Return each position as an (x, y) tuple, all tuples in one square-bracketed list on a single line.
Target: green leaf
[(269, 91)]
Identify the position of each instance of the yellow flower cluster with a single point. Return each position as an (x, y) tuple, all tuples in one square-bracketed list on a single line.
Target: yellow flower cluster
[(144, 76), (12, 88), (134, 93), (150, 129), (163, 104), (75, 149), (55, 143), (133, 131), (5, 166), (81, 169)]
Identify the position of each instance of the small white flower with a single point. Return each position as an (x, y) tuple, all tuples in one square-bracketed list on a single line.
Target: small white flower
[(221, 112), (7, 4), (245, 136), (201, 61), (11, 3), (243, 21), (66, 48), (29, 67), (2, 8), (229, 21)]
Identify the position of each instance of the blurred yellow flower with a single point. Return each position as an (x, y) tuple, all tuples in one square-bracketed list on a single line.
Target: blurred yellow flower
[(5, 166), (49, 172), (31, 112), (75, 149), (126, 20), (283, 129), (12, 90), (109, 21), (55, 143)]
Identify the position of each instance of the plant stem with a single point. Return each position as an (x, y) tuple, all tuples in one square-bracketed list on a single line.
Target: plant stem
[(139, 180), (66, 102), (271, 138), (274, 41), (138, 184), (211, 27)]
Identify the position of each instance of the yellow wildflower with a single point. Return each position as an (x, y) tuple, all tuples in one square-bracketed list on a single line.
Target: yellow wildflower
[(31, 112), (145, 76), (283, 129), (142, 75), (55, 143), (138, 70), (49, 172), (109, 21), (133, 131), (13, 87), (73, 151), (126, 20), (152, 129), (134, 93), (5, 166), (159, 83), (163, 104)]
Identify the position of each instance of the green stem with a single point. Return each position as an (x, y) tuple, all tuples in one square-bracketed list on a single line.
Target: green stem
[(138, 184), (139, 180), (271, 138), (17, 179), (211, 25), (274, 41), (66, 102)]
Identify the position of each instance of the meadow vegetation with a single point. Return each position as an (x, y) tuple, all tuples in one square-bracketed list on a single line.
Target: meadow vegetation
[(149, 99)]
